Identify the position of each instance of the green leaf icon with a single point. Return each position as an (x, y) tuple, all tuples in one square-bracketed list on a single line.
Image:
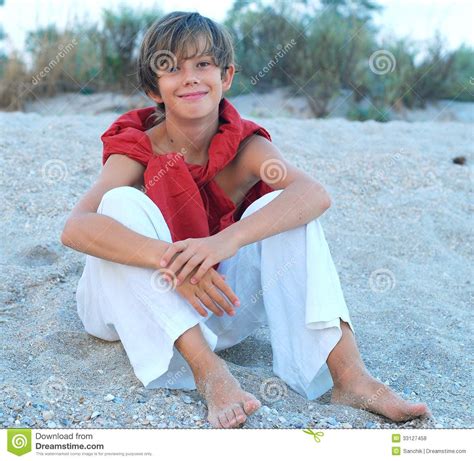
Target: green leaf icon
[(19, 441)]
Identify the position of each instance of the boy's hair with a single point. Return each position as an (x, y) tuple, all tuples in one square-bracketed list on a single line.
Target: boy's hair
[(169, 37)]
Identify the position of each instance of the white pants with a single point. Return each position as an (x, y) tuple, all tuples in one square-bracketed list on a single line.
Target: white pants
[(287, 281)]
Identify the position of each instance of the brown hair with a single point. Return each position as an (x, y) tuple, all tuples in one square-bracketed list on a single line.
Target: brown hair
[(166, 41)]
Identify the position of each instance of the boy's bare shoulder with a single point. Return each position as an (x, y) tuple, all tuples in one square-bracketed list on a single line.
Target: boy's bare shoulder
[(252, 152), (263, 160)]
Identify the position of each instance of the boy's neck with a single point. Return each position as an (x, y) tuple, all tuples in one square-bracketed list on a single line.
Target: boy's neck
[(191, 137)]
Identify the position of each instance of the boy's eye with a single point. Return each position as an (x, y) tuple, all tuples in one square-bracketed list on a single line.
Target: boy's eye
[(172, 70)]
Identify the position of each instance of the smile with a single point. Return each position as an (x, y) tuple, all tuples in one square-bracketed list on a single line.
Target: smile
[(193, 96)]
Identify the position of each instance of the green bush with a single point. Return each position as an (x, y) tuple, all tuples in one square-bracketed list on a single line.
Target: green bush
[(269, 44), (335, 47), (316, 53), (391, 74), (460, 82), (88, 57), (317, 50), (432, 74), (118, 40), (363, 114)]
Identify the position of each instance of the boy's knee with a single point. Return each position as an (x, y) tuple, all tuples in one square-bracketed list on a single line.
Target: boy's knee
[(116, 198), (119, 202), (135, 210), (119, 194), (261, 202)]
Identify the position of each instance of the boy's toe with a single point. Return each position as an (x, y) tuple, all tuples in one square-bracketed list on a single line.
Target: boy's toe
[(239, 414), (223, 420), (231, 417), (251, 405)]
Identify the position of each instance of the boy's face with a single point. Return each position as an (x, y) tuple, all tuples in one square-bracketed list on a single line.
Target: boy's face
[(194, 75)]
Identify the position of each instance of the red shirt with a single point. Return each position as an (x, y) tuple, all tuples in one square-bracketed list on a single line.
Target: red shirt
[(191, 202)]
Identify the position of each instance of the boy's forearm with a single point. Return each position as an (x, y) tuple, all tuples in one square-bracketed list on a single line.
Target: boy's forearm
[(106, 238), (298, 204)]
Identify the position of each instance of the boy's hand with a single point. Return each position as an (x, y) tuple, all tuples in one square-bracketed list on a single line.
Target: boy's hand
[(205, 252), (207, 292)]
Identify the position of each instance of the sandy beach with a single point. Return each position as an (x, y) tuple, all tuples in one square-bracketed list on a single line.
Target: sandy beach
[(400, 233)]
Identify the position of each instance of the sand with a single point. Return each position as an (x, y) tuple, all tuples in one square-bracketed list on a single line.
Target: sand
[(399, 229)]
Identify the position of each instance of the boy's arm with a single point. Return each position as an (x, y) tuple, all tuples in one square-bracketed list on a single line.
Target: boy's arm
[(302, 200)]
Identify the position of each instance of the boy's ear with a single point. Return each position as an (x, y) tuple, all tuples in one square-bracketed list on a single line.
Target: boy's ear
[(228, 77), (157, 98)]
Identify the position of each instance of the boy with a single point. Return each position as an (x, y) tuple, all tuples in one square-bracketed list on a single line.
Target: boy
[(218, 196)]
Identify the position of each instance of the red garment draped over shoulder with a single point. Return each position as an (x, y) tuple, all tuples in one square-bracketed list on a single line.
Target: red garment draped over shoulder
[(191, 202)]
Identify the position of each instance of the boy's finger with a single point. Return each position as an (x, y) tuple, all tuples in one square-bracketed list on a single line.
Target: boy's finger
[(198, 307), (220, 300), (209, 303), (190, 267), (186, 270), (204, 267), (184, 258), (227, 290), (170, 252)]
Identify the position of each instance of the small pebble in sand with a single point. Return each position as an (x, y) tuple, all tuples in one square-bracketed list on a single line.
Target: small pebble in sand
[(47, 415), (27, 421), (109, 397), (187, 399), (461, 160)]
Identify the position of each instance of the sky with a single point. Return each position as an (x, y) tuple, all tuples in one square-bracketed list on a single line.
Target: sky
[(417, 19)]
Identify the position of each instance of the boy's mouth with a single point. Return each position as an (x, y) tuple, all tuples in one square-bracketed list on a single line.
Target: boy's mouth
[(193, 96)]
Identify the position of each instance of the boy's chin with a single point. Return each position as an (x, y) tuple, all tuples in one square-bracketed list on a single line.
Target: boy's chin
[(196, 108)]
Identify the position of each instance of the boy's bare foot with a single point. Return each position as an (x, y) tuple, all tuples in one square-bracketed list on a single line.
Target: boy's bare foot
[(227, 403), (370, 394)]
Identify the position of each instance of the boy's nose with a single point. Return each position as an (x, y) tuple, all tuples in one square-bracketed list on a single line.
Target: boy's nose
[(190, 76), (189, 72)]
